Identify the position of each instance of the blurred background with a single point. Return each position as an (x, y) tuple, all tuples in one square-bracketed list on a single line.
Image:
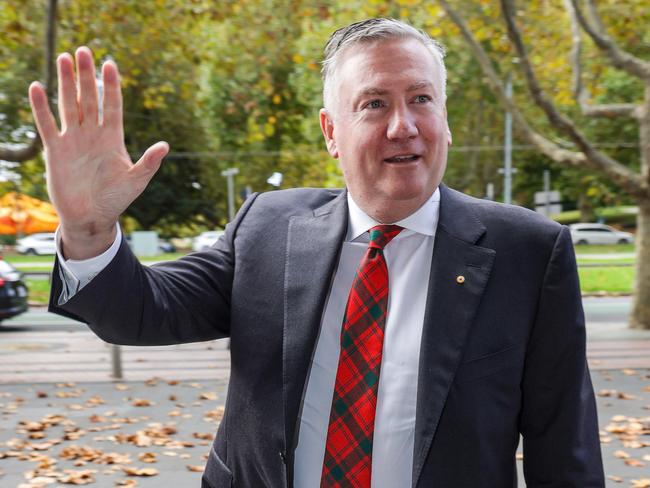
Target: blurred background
[(235, 88)]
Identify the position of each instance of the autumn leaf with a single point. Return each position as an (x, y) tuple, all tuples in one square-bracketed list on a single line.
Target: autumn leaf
[(131, 471), (142, 402), (147, 457), (635, 463)]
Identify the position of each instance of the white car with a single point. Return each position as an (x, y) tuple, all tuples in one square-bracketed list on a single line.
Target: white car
[(598, 234), (204, 241), (39, 244)]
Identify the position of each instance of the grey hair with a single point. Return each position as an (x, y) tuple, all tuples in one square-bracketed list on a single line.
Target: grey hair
[(373, 30)]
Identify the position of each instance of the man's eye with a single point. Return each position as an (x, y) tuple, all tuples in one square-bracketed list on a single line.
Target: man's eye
[(374, 104), (422, 99)]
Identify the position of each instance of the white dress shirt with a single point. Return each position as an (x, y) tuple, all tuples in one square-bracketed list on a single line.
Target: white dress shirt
[(408, 258), (77, 274)]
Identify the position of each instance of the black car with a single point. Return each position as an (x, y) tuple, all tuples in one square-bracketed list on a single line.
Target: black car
[(13, 291)]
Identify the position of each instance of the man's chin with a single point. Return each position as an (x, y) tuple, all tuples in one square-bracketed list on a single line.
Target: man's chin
[(408, 193)]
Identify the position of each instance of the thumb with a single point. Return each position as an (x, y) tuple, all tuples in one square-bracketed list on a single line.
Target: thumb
[(150, 161)]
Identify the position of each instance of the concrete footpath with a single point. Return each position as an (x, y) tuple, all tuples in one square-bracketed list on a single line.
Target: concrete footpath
[(64, 420)]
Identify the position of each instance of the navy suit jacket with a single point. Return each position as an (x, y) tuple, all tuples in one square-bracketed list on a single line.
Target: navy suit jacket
[(502, 354)]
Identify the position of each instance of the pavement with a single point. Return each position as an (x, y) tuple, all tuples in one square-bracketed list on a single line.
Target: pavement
[(65, 420)]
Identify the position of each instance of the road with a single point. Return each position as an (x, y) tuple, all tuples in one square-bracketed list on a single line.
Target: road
[(43, 347), (599, 312), (40, 347)]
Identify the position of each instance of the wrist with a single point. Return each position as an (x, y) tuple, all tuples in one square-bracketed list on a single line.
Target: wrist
[(87, 241)]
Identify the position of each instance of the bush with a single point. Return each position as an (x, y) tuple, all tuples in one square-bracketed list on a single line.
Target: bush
[(622, 216), (7, 240)]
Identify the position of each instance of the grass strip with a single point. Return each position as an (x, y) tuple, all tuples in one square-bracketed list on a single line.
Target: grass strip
[(601, 249), (614, 279), (39, 290)]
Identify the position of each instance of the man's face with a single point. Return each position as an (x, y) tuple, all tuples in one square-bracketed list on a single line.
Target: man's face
[(388, 126)]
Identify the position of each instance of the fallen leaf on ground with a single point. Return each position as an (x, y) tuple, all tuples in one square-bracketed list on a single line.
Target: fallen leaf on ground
[(635, 463), (128, 482), (625, 396), (208, 395), (141, 402), (147, 457), (131, 471)]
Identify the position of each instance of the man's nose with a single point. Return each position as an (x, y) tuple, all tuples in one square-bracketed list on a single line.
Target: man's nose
[(401, 125)]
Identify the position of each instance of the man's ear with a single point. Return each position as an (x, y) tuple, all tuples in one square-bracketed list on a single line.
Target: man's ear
[(327, 127)]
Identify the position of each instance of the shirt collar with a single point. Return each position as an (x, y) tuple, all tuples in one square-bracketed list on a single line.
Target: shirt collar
[(423, 221)]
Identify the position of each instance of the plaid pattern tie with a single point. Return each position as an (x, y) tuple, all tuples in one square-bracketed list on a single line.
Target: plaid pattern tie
[(348, 450)]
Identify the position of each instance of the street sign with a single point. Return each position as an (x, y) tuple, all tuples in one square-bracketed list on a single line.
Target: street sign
[(548, 202)]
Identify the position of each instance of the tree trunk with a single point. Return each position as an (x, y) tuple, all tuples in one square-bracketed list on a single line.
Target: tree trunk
[(587, 213), (640, 316)]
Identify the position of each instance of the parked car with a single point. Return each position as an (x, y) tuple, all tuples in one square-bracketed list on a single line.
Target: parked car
[(13, 291), (166, 246), (598, 234), (205, 240), (37, 244)]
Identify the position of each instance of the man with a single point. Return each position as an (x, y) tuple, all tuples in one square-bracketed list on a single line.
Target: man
[(462, 329)]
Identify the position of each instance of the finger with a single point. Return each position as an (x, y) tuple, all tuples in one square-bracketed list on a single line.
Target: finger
[(68, 111), (112, 95), (149, 163), (45, 122), (87, 85)]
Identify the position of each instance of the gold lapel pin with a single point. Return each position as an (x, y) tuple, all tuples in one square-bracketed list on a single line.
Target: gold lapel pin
[(460, 279)]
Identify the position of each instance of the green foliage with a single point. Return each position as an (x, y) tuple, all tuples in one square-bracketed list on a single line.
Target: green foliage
[(20, 56), (624, 216), (234, 83)]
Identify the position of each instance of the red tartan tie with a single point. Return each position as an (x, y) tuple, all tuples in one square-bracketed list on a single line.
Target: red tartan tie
[(348, 451)]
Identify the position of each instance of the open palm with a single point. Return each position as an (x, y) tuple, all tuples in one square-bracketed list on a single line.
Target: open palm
[(90, 176)]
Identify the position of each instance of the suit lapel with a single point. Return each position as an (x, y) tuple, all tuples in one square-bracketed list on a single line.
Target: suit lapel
[(313, 247), (451, 307)]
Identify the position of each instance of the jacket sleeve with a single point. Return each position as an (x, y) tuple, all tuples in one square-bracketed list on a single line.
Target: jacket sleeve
[(558, 422), (187, 300)]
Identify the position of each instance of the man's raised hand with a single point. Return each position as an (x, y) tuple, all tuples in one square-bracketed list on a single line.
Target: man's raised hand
[(90, 176)]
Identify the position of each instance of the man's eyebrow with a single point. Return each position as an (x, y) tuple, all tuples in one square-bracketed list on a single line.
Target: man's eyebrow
[(419, 86), (373, 91)]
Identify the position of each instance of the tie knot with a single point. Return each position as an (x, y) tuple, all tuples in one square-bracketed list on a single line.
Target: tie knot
[(381, 235)]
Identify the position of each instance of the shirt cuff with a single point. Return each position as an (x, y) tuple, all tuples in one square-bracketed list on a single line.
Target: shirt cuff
[(75, 274)]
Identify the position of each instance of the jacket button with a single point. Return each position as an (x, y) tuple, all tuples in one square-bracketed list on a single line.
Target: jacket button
[(282, 456)]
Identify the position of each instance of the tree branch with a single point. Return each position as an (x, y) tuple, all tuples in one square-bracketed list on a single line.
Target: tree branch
[(28, 151), (596, 159), (619, 173), (610, 110), (22, 153), (619, 58), (603, 110)]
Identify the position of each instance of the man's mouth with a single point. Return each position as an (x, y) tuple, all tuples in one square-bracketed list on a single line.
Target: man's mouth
[(403, 158)]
